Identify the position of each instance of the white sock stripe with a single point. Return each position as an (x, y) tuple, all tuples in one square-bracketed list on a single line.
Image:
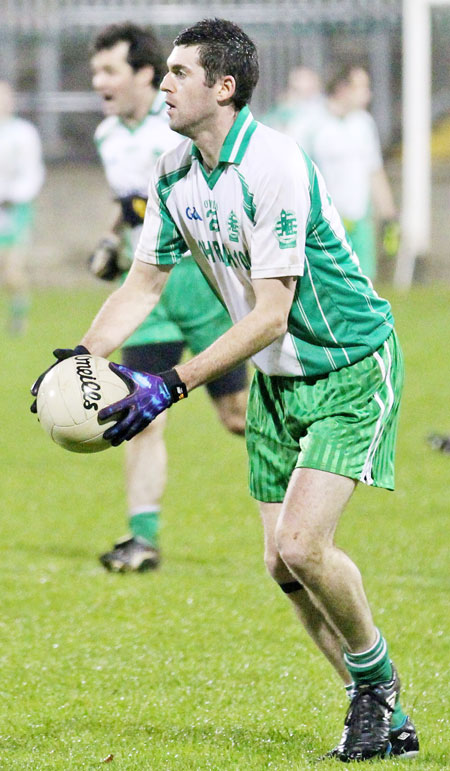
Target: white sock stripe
[(372, 650), (144, 510), (370, 662)]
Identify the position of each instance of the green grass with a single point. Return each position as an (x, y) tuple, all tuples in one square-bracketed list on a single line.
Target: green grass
[(202, 665)]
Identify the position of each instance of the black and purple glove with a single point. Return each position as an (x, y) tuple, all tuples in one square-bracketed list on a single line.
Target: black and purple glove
[(150, 395), (60, 354)]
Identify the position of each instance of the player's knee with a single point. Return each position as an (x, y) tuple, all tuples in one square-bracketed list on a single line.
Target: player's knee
[(235, 424), (301, 554), (276, 567), (231, 410)]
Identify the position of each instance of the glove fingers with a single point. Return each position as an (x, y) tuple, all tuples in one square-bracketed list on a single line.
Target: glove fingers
[(33, 407), (124, 373), (120, 427), (137, 425), (35, 387), (114, 410), (126, 429)]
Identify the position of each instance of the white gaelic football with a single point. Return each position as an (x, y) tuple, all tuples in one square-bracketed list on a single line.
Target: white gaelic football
[(70, 397)]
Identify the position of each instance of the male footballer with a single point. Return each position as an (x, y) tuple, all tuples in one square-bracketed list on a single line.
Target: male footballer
[(324, 400)]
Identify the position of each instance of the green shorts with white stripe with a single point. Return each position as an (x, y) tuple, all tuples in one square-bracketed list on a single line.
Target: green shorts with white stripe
[(344, 423)]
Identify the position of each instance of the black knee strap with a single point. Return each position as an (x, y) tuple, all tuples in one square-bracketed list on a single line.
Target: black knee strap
[(291, 586)]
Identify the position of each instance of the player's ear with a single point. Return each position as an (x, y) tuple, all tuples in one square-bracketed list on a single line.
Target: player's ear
[(146, 75), (226, 88)]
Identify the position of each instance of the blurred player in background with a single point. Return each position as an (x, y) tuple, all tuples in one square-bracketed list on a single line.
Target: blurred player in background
[(345, 145), (298, 106), (323, 405), (21, 178), (128, 66)]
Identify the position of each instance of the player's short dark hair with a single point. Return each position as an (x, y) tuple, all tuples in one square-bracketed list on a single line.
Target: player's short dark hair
[(225, 49), (145, 48), (341, 75)]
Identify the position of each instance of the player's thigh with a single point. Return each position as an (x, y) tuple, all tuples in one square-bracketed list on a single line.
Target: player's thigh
[(312, 506)]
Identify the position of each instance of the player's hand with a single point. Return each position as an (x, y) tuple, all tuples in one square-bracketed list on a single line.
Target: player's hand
[(60, 354), (104, 261), (390, 237), (150, 395)]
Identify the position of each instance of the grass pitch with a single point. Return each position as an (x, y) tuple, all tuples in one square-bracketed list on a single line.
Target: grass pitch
[(202, 665)]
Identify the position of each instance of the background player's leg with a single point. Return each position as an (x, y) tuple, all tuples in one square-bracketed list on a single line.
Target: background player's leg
[(231, 411), (229, 394), (17, 287), (146, 472)]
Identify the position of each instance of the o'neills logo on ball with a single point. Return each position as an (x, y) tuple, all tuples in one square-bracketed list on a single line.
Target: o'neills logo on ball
[(90, 387)]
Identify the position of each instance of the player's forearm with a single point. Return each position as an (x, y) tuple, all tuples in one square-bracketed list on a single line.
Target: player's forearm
[(264, 324), (242, 341), (125, 309), (119, 316), (382, 196)]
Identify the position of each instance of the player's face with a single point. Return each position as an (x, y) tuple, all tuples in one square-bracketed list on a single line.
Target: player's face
[(360, 91), (191, 104), (120, 87)]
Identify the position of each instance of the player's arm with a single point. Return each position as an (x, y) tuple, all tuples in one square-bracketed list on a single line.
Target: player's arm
[(119, 316), (264, 324), (104, 262), (382, 195), (151, 394), (385, 207), (126, 308)]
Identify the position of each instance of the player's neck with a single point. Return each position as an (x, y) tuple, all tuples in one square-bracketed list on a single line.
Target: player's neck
[(338, 108), (142, 108), (210, 138)]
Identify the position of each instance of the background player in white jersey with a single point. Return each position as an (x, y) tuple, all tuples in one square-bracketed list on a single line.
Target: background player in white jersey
[(324, 400), (21, 178), (346, 147), (127, 66)]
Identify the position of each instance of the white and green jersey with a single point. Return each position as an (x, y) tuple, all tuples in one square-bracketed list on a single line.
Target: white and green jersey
[(21, 166), (264, 212), (347, 151), (129, 154)]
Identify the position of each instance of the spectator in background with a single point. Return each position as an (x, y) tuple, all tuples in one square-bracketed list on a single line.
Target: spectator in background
[(21, 178), (346, 147), (299, 106)]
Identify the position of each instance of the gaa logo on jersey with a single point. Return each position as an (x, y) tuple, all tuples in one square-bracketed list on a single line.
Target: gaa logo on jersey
[(286, 229)]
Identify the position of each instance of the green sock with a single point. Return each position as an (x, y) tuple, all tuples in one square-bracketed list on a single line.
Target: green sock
[(144, 525), (374, 666), (371, 666), (20, 305)]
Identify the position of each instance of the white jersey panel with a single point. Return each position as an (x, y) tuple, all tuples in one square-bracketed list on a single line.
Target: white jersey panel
[(252, 208), (21, 166), (347, 151), (129, 156)]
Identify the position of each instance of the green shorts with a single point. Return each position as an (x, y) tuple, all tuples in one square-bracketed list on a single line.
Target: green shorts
[(188, 311), (16, 221), (344, 423), (363, 239)]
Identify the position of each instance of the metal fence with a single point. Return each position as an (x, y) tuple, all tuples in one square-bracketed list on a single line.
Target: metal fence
[(44, 51)]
